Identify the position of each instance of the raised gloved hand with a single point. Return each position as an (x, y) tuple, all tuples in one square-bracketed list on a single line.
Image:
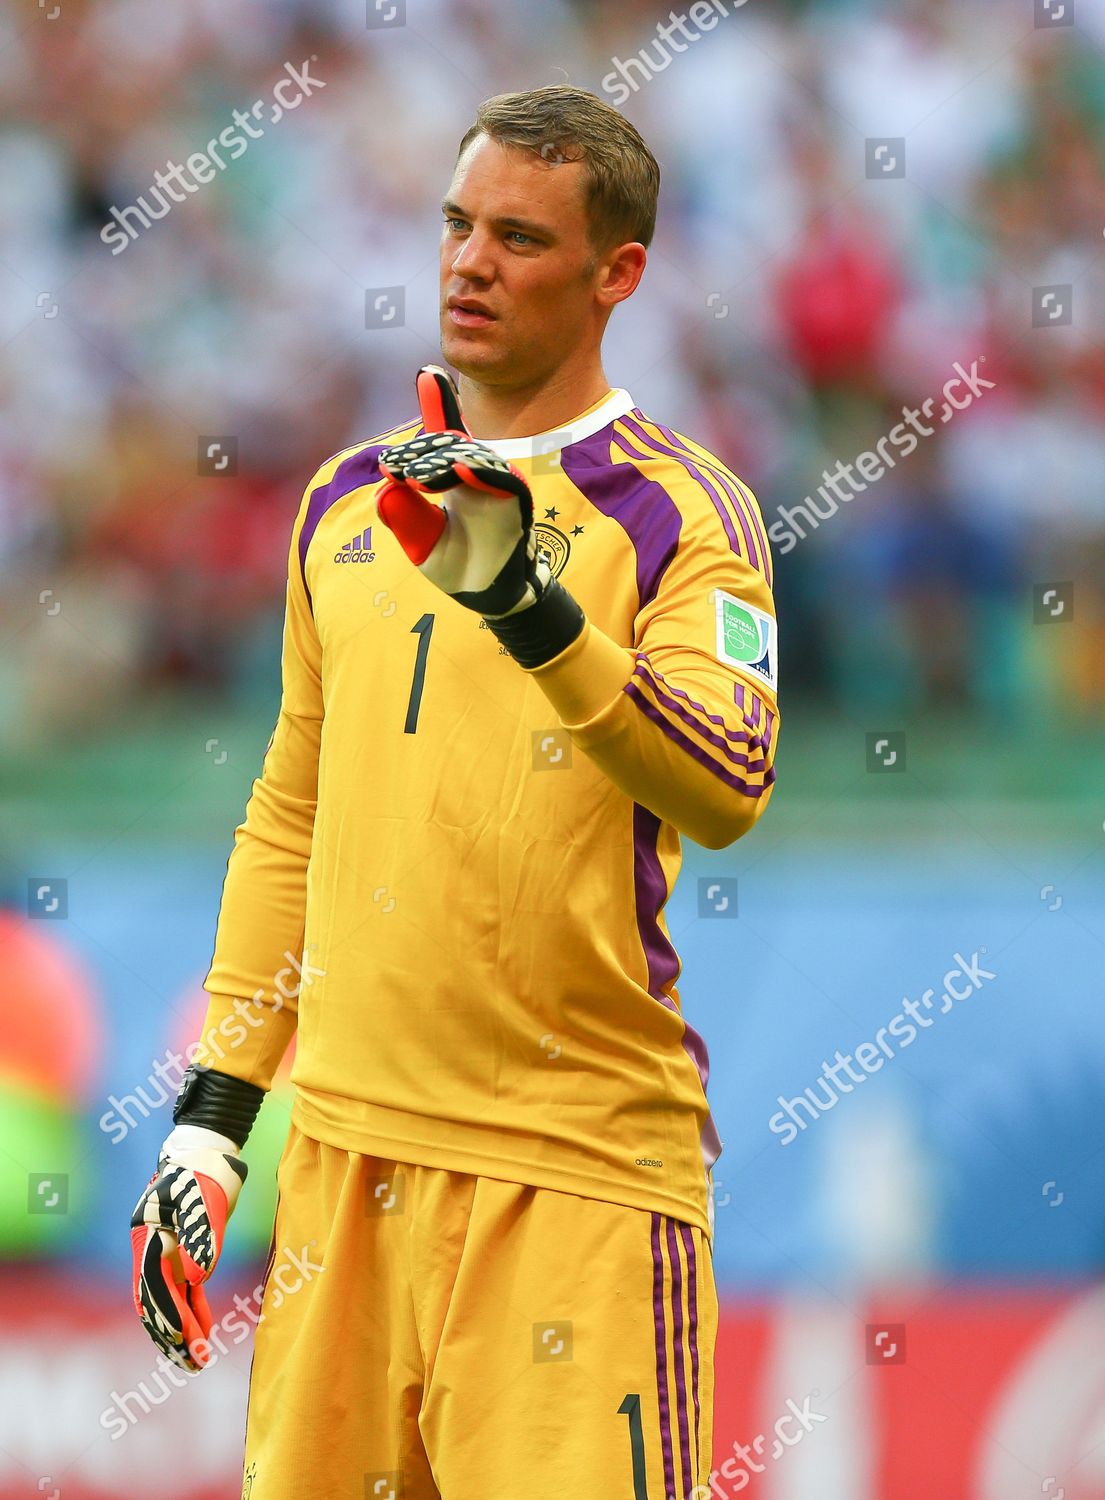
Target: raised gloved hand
[(478, 544)]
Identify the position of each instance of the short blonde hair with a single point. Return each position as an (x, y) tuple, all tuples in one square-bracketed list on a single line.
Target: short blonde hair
[(561, 123)]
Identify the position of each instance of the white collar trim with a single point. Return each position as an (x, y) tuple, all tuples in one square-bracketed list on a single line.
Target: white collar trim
[(551, 441)]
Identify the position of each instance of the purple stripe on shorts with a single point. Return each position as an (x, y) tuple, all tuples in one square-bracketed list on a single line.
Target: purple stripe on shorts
[(662, 1357), (692, 1332), (677, 1340), (706, 478), (644, 509), (357, 471)]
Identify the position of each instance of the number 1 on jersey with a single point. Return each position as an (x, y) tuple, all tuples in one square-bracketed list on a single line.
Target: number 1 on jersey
[(425, 628)]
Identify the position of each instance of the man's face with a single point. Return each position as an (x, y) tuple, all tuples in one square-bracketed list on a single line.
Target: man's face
[(515, 243)]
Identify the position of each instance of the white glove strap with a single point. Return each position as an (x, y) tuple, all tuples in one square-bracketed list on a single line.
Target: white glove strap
[(196, 1138)]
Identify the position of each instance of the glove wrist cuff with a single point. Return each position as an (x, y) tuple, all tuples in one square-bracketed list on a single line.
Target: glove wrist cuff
[(535, 635), (218, 1102), (189, 1137)]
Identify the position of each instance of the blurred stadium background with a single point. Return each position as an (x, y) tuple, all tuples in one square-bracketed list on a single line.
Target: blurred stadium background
[(856, 196)]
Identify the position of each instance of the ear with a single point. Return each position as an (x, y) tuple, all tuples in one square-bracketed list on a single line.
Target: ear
[(621, 272)]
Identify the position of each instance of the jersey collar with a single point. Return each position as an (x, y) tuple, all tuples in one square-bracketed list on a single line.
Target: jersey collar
[(615, 404)]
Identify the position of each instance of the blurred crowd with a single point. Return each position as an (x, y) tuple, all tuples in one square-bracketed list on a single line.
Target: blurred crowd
[(801, 293)]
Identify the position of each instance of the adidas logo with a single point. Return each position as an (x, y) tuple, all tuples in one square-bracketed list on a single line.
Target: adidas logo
[(359, 550)]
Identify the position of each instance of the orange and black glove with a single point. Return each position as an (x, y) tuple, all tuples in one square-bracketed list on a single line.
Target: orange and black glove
[(179, 1223), (478, 544)]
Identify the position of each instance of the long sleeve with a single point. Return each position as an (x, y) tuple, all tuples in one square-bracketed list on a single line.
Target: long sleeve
[(255, 969), (686, 721)]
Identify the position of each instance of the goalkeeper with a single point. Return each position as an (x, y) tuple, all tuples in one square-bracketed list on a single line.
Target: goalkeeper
[(529, 643)]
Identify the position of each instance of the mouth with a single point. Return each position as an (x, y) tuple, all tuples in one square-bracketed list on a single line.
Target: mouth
[(466, 312)]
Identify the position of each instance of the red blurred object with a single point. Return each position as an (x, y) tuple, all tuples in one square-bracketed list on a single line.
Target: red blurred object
[(977, 1394), (836, 297), (52, 1039)]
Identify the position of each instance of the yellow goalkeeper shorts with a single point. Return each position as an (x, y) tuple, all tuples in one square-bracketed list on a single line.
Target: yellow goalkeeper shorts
[(454, 1337)]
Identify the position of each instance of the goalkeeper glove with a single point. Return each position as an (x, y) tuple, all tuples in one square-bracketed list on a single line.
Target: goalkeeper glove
[(479, 545), (179, 1223)]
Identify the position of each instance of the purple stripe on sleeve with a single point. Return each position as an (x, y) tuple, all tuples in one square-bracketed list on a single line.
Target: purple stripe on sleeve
[(360, 469), (650, 894), (642, 656), (669, 694), (738, 698), (758, 705), (653, 450), (731, 482), (660, 449), (687, 1234), (737, 759), (677, 1341), (643, 508), (662, 1357), (757, 522), (738, 783)]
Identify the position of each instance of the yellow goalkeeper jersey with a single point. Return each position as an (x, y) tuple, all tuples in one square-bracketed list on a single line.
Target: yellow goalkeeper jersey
[(469, 861)]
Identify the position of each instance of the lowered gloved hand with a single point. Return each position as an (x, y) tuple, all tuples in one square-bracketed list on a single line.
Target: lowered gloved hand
[(179, 1223)]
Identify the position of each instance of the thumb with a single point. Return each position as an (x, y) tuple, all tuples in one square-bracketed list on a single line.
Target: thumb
[(438, 401), (415, 520)]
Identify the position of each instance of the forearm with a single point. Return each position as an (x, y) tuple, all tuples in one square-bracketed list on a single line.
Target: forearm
[(672, 741), (258, 964)]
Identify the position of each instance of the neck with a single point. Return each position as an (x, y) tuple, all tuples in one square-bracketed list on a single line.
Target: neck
[(493, 411)]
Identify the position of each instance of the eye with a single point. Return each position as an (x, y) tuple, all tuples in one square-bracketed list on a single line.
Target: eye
[(516, 234), (452, 223)]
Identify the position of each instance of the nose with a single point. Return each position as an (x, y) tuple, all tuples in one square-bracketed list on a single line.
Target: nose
[(473, 260)]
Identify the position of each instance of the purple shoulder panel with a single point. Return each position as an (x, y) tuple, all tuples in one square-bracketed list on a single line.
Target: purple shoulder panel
[(358, 470), (643, 508)]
